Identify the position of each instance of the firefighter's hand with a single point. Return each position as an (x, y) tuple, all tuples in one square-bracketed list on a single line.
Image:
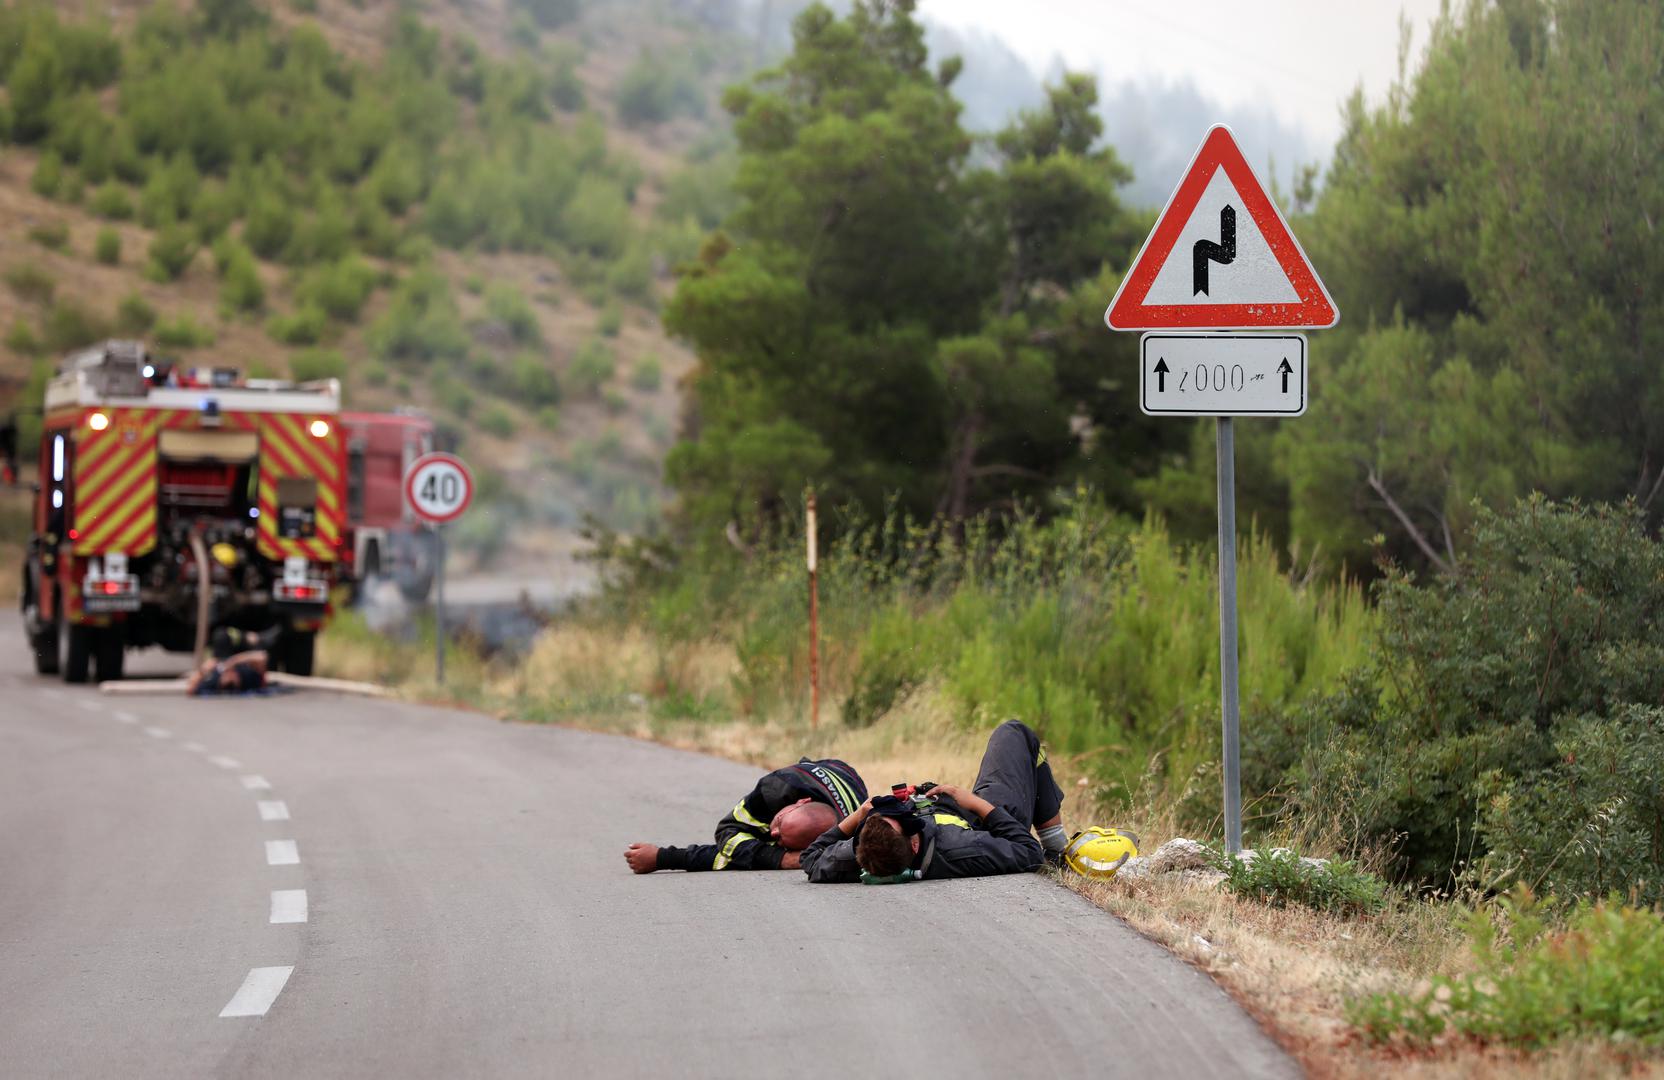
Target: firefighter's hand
[(791, 860), (850, 825), (643, 858)]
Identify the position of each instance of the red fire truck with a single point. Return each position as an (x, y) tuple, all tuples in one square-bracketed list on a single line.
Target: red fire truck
[(385, 538), (172, 503)]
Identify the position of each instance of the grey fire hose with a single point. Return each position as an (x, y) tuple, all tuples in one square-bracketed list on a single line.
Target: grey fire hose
[(204, 593)]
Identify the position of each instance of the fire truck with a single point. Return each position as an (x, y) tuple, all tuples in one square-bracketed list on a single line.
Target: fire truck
[(385, 539), (173, 503)]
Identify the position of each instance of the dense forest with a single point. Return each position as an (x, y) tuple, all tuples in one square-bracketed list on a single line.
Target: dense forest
[(923, 306)]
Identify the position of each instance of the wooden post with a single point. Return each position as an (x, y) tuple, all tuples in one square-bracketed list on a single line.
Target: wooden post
[(814, 621)]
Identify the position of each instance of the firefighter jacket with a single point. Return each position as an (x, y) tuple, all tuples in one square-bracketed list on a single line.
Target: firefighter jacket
[(951, 845), (742, 838)]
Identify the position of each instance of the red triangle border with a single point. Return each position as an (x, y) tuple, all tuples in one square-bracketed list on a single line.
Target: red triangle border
[(1127, 311)]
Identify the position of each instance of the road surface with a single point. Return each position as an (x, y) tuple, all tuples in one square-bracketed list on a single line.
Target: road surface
[(314, 886)]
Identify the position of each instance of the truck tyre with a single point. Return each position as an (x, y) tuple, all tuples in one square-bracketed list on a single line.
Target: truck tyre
[(297, 651), (78, 653), (112, 654), (416, 585), (44, 644)]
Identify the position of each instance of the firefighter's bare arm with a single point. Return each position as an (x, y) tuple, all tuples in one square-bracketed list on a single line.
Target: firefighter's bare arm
[(850, 825), (968, 801)]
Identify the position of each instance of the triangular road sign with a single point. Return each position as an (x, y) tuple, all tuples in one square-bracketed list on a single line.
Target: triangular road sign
[(1221, 257)]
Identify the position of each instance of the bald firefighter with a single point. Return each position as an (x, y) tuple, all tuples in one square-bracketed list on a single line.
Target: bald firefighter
[(770, 827)]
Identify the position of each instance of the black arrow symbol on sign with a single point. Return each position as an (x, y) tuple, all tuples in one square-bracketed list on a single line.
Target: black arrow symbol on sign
[(1284, 370), (1161, 374), (1207, 251)]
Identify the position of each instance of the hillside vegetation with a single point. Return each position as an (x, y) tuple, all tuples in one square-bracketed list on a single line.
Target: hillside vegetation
[(472, 208)]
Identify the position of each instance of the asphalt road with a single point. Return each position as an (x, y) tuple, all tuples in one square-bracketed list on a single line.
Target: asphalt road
[(456, 905)]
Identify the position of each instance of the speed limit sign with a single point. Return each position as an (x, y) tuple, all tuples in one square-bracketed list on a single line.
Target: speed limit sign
[(438, 487)]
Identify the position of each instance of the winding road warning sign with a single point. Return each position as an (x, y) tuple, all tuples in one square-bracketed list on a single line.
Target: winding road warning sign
[(1221, 257)]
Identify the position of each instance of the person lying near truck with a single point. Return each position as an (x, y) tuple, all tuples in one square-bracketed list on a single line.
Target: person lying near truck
[(238, 673), (943, 831), (768, 828)]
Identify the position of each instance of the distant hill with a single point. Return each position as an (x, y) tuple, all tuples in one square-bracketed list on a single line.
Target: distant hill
[(472, 207)]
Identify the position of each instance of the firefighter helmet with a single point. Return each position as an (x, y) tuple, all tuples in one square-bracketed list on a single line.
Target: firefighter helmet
[(1098, 852)]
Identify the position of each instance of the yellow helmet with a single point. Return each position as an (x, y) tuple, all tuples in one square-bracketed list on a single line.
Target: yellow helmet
[(1098, 852), (225, 555)]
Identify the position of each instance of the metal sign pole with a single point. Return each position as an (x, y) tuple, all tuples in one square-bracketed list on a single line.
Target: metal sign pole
[(439, 603), (1228, 705)]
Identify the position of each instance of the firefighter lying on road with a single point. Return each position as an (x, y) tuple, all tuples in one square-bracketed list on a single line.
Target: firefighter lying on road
[(235, 674), (768, 828), (944, 831)]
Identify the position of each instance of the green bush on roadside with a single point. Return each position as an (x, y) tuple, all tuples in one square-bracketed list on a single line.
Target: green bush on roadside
[(171, 252), (592, 368), (1279, 877), (304, 326), (52, 235), (1598, 973), (310, 364), (30, 282)]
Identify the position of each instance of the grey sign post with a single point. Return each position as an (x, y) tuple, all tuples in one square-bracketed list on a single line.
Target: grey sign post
[(1221, 258), (438, 487)]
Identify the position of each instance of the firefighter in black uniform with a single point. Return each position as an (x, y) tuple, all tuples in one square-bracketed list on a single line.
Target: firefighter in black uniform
[(768, 828), (944, 831)]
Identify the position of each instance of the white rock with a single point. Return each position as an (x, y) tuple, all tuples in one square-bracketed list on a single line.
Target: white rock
[(1179, 854), (1136, 867)]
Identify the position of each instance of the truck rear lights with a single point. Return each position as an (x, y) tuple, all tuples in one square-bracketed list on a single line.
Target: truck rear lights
[(98, 421), (320, 429), (105, 594), (307, 592)]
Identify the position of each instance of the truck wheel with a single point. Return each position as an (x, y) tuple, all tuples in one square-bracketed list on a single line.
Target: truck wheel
[(298, 650), (415, 586), (78, 653), (44, 644), (112, 654)]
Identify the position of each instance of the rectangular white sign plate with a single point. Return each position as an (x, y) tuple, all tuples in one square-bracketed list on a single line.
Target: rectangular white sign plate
[(1222, 374)]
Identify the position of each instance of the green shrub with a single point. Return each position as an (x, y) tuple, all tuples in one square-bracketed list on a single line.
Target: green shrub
[(1511, 720), (533, 380), (304, 326), (1597, 976), (340, 288), (654, 88), (611, 320), (592, 368), (632, 274), (597, 219), (473, 284), (135, 315), (169, 193), (615, 401), (422, 322), (48, 178), (497, 421), (22, 339), (268, 225), (241, 288), (454, 397), (182, 332), (213, 212), (52, 235), (647, 374), (376, 373), (106, 247), (112, 201), (310, 364), (30, 282), (68, 326), (171, 252), (1279, 878), (548, 418), (506, 304)]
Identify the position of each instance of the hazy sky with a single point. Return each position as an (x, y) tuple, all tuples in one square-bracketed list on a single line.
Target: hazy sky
[(1300, 57)]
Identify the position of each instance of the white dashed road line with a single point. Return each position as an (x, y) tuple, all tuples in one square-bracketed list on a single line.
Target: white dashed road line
[(126, 717), (288, 905), (282, 853), (258, 992), (277, 810), (90, 705), (158, 733), (195, 748), (226, 762), (255, 783)]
